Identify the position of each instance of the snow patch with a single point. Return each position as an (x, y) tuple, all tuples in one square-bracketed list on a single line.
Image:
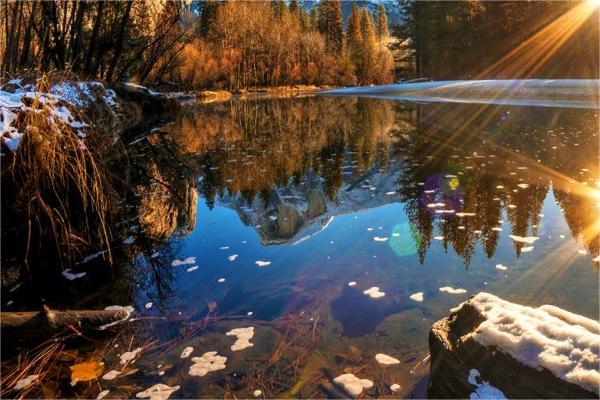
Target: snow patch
[(483, 390)]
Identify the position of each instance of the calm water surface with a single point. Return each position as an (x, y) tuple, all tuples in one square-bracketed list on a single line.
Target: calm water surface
[(282, 203)]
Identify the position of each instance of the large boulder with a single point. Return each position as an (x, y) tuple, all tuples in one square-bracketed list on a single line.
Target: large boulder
[(524, 352)]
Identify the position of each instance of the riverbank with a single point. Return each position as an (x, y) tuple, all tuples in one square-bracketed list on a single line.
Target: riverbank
[(578, 93)]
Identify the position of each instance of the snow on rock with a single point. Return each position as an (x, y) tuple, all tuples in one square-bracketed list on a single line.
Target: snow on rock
[(374, 292), (23, 383), (566, 344), (209, 362), (243, 336), (384, 359), (352, 384), (160, 391), (483, 390)]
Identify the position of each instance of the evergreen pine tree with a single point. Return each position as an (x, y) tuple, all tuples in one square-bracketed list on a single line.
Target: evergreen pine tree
[(382, 23), (369, 47), (353, 33), (313, 19)]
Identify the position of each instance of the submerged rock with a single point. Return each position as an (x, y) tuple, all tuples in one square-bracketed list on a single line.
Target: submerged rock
[(523, 352)]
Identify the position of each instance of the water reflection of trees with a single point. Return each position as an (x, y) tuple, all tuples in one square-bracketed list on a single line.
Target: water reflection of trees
[(499, 166)]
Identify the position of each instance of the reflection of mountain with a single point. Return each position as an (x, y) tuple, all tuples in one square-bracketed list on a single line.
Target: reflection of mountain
[(464, 172), (294, 213)]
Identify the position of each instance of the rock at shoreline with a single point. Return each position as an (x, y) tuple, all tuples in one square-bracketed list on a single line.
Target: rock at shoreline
[(524, 352)]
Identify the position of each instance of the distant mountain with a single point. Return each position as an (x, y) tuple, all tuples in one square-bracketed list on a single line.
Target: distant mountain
[(391, 7)]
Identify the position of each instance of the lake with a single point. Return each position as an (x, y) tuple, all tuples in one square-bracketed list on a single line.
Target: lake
[(339, 228)]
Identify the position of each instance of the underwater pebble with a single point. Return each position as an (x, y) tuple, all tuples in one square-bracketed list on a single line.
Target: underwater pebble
[(186, 352), (209, 362), (451, 290), (243, 336), (374, 292), (352, 384), (160, 391), (384, 359), (417, 296)]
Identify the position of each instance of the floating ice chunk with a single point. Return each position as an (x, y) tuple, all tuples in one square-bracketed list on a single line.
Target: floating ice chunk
[(189, 260), (186, 352), (483, 390), (497, 229), (499, 187), (102, 394), (564, 343), (129, 355), (511, 206), (526, 249), (434, 205), (395, 234), (221, 280), (369, 229), (417, 297), (524, 239), (224, 248), (523, 185), (465, 214), (596, 259), (390, 193), (154, 255), (23, 383), (160, 391), (249, 313), (352, 384), (583, 252), (262, 263), (209, 362), (451, 290), (374, 292), (429, 191), (501, 267), (380, 239), (110, 375), (129, 240), (351, 283), (444, 211), (148, 305), (71, 276), (243, 336), (384, 359), (257, 393), (394, 387), (233, 257), (477, 231), (438, 237), (192, 269)]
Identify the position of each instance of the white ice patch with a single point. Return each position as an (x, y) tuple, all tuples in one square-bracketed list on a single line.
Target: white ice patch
[(209, 362), (438, 237), (380, 239), (417, 297), (186, 352), (262, 263), (126, 309), (129, 356), (257, 393), (394, 387), (483, 390), (523, 185), (102, 394), (243, 336), (352, 384), (232, 257), (465, 214), (374, 292), (160, 391), (148, 305), (501, 267), (189, 260), (435, 205), (23, 383), (71, 276), (526, 249), (351, 283), (524, 239), (566, 344), (192, 269), (451, 290), (384, 359), (221, 280)]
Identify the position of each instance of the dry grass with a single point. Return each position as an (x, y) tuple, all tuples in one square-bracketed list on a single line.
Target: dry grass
[(58, 189)]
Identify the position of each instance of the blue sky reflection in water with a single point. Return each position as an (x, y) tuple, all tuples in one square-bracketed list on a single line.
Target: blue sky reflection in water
[(329, 191)]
